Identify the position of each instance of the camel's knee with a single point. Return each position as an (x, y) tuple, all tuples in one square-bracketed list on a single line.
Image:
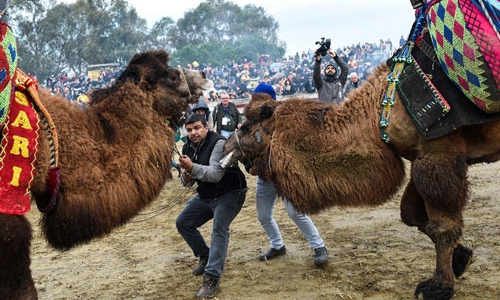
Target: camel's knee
[(444, 232)]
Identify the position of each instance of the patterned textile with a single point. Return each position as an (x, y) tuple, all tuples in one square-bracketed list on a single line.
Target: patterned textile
[(8, 65), (437, 106), (468, 50), (20, 141), (422, 99)]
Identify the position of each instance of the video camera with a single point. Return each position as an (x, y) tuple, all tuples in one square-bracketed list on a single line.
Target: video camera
[(324, 46)]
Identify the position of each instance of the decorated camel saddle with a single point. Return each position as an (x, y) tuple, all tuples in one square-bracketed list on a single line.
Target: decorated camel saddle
[(22, 116), (452, 55)]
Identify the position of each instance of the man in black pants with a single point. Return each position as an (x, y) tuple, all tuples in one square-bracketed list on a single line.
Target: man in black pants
[(220, 196)]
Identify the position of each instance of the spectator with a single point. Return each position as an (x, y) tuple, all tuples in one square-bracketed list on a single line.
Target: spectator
[(354, 83), (202, 108), (330, 87), (227, 117), (402, 41), (309, 85), (288, 88)]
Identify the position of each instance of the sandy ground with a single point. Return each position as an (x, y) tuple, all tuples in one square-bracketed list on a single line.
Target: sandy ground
[(373, 255)]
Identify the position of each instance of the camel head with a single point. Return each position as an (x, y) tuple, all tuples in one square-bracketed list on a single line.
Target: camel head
[(251, 143), (171, 89)]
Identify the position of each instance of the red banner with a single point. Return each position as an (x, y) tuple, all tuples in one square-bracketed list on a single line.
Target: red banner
[(20, 138)]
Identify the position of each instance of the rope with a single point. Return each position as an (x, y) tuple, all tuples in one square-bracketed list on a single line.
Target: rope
[(185, 80), (5, 9), (487, 14), (162, 209)]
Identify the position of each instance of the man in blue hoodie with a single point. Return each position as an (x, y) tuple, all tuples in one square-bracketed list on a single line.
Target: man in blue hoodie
[(265, 198)]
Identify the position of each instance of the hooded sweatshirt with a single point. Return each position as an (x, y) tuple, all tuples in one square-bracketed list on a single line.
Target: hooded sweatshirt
[(330, 87)]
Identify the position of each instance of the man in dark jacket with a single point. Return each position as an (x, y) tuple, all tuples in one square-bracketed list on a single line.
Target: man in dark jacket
[(353, 84), (220, 196), (227, 117), (330, 87)]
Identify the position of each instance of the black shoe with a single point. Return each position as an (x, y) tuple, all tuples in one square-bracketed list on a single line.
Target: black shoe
[(208, 288), (320, 256), (200, 268), (272, 253)]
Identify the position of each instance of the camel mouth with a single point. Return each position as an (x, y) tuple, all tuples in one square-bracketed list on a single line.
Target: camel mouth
[(227, 160)]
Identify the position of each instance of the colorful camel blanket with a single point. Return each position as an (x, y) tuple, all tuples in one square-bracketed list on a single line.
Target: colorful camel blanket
[(20, 140), (467, 43), (8, 65)]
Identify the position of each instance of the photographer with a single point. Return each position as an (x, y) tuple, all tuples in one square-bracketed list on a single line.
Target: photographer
[(331, 86)]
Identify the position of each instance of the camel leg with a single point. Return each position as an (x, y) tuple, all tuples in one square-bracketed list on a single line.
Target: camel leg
[(442, 189), (15, 275), (413, 213)]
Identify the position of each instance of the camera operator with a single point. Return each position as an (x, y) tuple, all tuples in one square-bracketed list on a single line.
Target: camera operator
[(331, 86)]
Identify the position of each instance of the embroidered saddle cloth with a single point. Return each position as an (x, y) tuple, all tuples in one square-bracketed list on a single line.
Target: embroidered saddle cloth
[(465, 37)]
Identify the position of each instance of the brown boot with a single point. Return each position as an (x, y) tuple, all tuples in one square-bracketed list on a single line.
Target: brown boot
[(208, 288), (200, 268)]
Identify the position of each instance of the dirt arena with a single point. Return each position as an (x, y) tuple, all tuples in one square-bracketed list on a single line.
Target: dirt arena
[(373, 255)]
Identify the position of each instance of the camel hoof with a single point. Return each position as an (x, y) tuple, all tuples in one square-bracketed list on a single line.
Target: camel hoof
[(462, 258), (431, 290)]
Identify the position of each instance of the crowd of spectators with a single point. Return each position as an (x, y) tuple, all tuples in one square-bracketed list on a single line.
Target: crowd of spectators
[(288, 75)]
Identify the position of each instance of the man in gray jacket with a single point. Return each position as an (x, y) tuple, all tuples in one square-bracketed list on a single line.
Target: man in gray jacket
[(330, 87)]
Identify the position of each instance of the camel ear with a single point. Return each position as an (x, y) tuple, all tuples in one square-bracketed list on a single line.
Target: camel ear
[(266, 111), (147, 66)]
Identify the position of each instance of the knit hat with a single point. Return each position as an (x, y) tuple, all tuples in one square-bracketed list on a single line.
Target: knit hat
[(265, 88), (336, 70)]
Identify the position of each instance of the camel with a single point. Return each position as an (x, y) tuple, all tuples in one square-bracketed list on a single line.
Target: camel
[(115, 157), (321, 155)]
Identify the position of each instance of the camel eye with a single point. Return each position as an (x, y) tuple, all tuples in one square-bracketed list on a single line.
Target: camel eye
[(246, 127)]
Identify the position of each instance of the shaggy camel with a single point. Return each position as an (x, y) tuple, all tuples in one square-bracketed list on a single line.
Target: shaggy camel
[(321, 156), (114, 158)]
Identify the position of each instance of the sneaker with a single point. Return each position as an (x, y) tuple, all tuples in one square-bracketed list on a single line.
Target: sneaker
[(272, 253), (200, 268), (320, 256), (208, 288)]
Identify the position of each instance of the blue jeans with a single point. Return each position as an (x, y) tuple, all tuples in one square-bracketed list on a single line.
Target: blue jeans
[(226, 133), (265, 197), (198, 212)]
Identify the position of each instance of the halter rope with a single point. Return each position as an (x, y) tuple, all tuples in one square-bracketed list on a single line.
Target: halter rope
[(185, 80)]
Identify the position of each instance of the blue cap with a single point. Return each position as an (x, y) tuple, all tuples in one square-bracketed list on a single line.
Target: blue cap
[(265, 88)]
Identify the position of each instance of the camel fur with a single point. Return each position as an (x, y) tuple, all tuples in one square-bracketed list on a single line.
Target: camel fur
[(320, 156), (115, 157)]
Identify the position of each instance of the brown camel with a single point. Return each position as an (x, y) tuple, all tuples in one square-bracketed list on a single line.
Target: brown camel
[(114, 158), (321, 156), (411, 108)]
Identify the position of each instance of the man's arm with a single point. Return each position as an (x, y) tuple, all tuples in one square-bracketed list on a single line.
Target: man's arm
[(238, 117), (344, 68), (318, 81), (213, 172)]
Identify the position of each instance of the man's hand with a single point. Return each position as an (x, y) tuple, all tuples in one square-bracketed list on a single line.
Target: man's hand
[(331, 53), (186, 176), (186, 163), (316, 55)]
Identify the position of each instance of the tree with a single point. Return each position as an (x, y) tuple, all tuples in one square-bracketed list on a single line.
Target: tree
[(54, 37), (224, 31)]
